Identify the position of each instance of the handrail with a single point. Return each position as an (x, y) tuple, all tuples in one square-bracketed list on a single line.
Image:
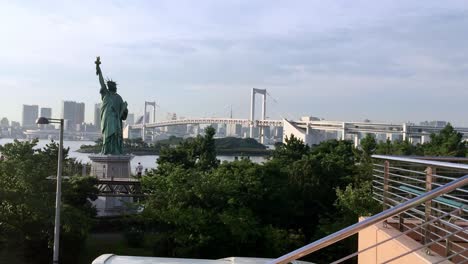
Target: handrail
[(423, 162), (353, 229), (394, 237)]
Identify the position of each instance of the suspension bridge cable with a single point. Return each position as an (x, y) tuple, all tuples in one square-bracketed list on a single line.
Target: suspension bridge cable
[(288, 115)]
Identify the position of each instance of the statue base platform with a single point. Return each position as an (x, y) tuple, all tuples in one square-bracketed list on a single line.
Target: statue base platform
[(110, 166)]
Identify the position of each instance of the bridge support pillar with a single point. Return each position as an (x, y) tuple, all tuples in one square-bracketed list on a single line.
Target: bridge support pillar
[(405, 132), (145, 116), (343, 131), (252, 110), (356, 140), (425, 139), (389, 136)]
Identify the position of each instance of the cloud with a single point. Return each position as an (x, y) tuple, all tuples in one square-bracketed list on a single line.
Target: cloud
[(183, 52)]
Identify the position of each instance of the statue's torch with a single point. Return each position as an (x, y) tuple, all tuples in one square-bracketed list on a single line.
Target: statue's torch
[(98, 62)]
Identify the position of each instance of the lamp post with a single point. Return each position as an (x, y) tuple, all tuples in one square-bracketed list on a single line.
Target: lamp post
[(58, 194)]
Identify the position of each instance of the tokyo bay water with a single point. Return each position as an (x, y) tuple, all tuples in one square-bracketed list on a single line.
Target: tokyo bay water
[(148, 161)]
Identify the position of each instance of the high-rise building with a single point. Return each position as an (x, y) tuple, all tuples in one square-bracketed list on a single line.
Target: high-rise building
[(30, 115), (74, 113), (4, 122), (80, 113), (97, 116), (15, 124), (46, 112), (234, 130)]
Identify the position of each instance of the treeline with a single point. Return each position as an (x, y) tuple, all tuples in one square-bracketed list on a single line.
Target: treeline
[(447, 142), (224, 146)]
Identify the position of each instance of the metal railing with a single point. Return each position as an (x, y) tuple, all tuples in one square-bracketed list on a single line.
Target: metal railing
[(430, 215)]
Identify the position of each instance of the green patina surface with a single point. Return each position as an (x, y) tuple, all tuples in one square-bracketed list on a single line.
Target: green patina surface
[(113, 111)]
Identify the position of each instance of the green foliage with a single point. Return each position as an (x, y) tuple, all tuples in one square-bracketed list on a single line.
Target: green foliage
[(357, 200), (447, 143), (368, 146), (292, 149), (238, 143), (242, 208), (199, 152), (199, 210), (28, 201), (207, 149), (224, 146), (134, 236), (400, 148)]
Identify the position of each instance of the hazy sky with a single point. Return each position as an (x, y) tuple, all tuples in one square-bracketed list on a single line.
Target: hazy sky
[(339, 60)]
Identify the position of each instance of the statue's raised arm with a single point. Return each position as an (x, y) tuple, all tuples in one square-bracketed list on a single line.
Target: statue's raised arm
[(99, 73)]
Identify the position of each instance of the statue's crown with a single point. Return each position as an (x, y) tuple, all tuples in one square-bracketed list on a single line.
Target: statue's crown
[(111, 85)]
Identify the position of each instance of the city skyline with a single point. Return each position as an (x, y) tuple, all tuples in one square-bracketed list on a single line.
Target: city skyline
[(77, 109), (386, 61)]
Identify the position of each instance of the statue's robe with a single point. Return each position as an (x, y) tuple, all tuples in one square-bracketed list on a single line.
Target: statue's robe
[(113, 111)]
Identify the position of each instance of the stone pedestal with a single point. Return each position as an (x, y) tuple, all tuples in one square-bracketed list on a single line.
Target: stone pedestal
[(111, 166)]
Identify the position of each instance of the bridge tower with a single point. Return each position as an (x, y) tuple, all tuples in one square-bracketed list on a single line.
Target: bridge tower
[(143, 129), (263, 92)]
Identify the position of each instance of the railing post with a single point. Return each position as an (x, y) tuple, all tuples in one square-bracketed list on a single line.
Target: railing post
[(385, 184), (448, 241), (428, 205)]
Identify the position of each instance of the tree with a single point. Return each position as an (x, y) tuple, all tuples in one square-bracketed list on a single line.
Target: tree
[(357, 201), (368, 146), (28, 200), (201, 208), (292, 149), (205, 213), (207, 149), (384, 148), (448, 142), (199, 152)]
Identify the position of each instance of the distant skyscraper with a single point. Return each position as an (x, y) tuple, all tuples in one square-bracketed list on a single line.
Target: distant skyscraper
[(74, 113), (46, 112), (30, 114), (80, 113), (4, 122), (15, 124), (97, 116), (234, 130)]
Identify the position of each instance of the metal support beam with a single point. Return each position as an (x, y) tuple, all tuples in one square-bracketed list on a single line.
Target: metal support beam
[(252, 111), (143, 129), (428, 206), (385, 182), (119, 188)]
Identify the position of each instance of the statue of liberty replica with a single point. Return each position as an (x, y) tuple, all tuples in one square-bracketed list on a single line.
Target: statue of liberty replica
[(113, 112), (111, 165)]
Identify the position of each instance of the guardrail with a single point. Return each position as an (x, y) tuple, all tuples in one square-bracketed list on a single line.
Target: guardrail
[(425, 200)]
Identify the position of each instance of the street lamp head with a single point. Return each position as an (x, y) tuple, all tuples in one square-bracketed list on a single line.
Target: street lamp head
[(42, 121)]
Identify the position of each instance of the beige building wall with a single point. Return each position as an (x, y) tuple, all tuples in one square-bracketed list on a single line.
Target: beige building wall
[(388, 250)]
